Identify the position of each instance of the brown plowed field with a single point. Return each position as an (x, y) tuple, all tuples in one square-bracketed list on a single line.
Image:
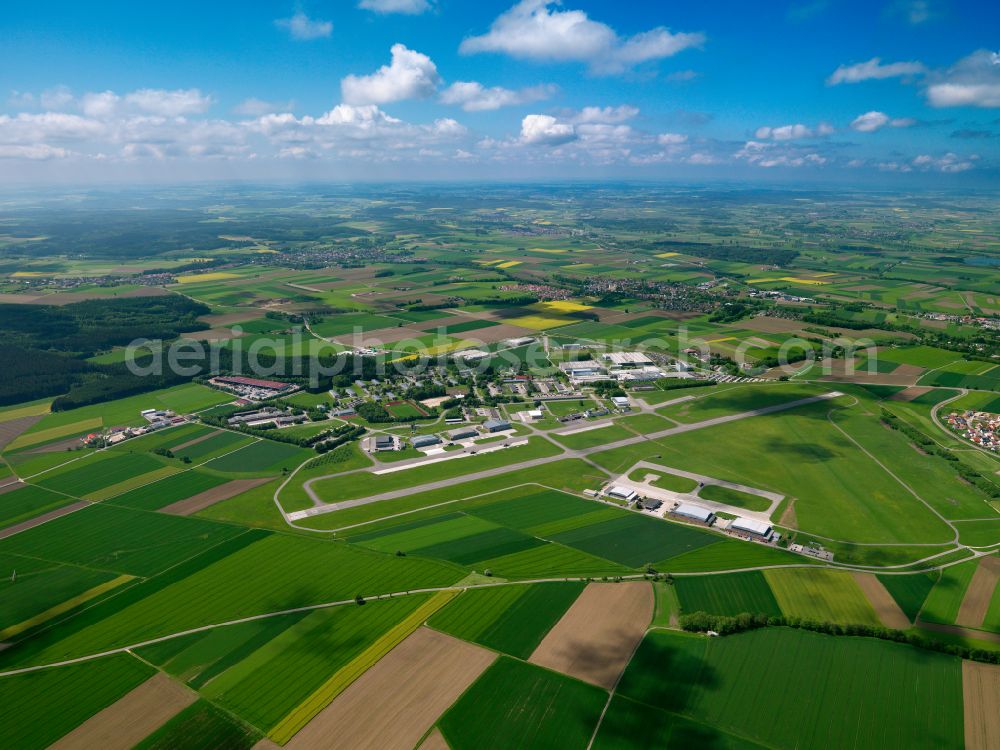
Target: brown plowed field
[(882, 602), (981, 690), (205, 499), (595, 639), (131, 718), (977, 597)]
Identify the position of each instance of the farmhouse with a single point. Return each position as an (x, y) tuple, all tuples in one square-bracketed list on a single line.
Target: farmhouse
[(462, 433), (690, 512), (496, 425), (424, 441), (758, 529)]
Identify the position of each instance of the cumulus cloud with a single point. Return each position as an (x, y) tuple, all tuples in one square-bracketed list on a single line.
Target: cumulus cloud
[(949, 163), (302, 27), (770, 154), (545, 130), (35, 152), (792, 132), (474, 97), (874, 70), (869, 122), (406, 7), (410, 75), (973, 81), (536, 30)]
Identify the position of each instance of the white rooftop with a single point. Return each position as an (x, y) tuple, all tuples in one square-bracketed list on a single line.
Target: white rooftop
[(749, 524), (627, 358), (693, 511), (624, 492)]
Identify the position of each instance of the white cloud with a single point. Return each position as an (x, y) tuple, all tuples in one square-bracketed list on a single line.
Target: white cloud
[(869, 122), (103, 104), (535, 30), (301, 26), (27, 128), (607, 114), (545, 130), (255, 107), (35, 152), (770, 154), (474, 97), (793, 132), (410, 75), (165, 103), (973, 81), (671, 139), (874, 70), (950, 163), (406, 7)]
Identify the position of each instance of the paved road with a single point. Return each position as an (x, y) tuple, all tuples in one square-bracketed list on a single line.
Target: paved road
[(324, 507)]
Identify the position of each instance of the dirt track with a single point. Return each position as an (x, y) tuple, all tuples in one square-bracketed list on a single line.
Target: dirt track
[(981, 690), (881, 600), (977, 597), (399, 698), (131, 718), (202, 500), (594, 640)]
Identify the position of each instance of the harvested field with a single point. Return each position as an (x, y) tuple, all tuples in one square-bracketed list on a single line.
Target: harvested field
[(908, 394), (981, 690), (39, 520), (881, 600), (594, 640), (424, 675), (15, 484), (132, 717), (977, 597), (903, 375), (769, 325), (202, 500), (11, 429), (212, 334)]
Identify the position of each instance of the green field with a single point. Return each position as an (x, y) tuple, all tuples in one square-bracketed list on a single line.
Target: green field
[(36, 709), (634, 540), (762, 686), (727, 594), (262, 576), (510, 619), (822, 595), (514, 704), (27, 502), (945, 598), (198, 727), (729, 496), (98, 471), (170, 490), (118, 539), (261, 457), (910, 591)]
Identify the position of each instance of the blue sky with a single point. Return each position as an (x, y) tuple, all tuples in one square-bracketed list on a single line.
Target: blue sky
[(889, 90)]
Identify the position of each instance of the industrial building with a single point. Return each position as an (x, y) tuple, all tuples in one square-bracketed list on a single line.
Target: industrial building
[(463, 433), (754, 528), (424, 441), (620, 402), (496, 425), (622, 493), (627, 359), (384, 443), (690, 512)]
